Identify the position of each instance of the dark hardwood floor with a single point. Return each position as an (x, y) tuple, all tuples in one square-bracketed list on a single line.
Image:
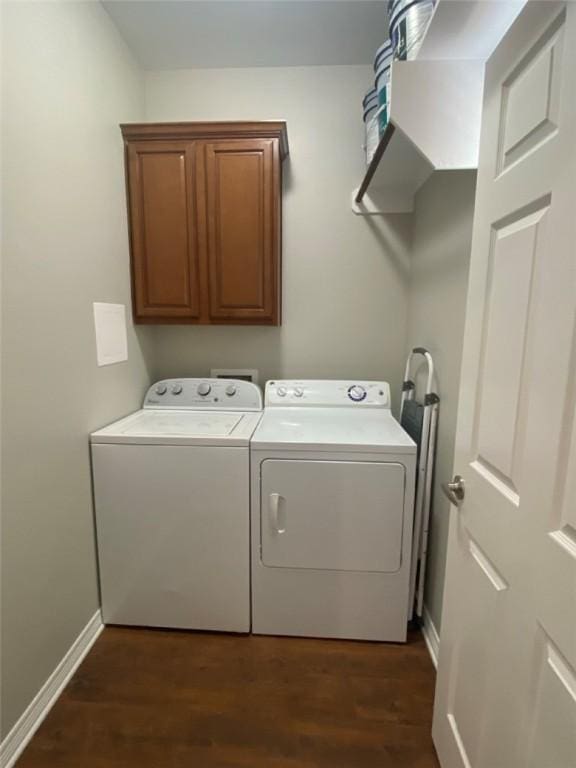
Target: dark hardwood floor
[(159, 699)]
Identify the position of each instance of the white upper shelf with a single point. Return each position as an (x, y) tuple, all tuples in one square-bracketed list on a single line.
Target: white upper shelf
[(467, 29), (436, 104), (435, 111)]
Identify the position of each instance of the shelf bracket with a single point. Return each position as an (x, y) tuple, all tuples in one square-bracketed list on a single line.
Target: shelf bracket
[(380, 149)]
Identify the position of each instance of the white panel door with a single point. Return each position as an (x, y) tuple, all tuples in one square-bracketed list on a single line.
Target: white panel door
[(506, 693), (332, 515)]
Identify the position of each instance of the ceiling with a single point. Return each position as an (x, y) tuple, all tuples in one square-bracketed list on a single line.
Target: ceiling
[(182, 34)]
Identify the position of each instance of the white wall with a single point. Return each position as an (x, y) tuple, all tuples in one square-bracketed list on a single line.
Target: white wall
[(344, 277), (67, 81), (438, 288)]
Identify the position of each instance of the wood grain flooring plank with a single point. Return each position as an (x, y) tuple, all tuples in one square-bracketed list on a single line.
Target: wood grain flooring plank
[(169, 699)]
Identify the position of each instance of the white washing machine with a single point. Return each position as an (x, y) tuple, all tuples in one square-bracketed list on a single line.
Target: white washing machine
[(333, 477), (172, 499)]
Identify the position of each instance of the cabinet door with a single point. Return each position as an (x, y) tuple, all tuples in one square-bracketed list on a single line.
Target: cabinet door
[(163, 230), (242, 215)]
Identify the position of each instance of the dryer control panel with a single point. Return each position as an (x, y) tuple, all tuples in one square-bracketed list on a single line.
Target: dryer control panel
[(204, 394), (328, 393)]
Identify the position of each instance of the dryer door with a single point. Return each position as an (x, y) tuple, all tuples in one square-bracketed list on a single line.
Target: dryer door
[(332, 515)]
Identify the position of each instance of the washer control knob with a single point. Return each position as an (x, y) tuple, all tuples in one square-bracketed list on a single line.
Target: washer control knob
[(176, 389), (281, 391), (204, 389), (161, 389), (356, 393), (298, 391), (231, 390)]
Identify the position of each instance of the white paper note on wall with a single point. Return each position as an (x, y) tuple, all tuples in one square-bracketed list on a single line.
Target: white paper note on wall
[(110, 327)]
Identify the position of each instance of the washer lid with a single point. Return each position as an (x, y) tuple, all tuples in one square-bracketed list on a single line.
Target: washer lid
[(170, 427), (333, 429)]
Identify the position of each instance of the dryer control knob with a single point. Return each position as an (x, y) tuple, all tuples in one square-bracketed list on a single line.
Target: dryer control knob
[(281, 391), (231, 390), (298, 391), (204, 389), (161, 389), (356, 393), (176, 389)]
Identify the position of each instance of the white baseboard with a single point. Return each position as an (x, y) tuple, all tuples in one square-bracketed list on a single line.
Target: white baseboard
[(431, 636), (15, 742)]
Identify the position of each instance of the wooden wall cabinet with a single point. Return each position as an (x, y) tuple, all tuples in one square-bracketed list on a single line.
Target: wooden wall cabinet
[(204, 209)]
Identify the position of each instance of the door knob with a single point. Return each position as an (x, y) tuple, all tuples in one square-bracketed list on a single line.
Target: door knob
[(455, 490)]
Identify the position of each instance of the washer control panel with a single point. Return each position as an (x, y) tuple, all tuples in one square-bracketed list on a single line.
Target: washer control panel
[(317, 393), (209, 394)]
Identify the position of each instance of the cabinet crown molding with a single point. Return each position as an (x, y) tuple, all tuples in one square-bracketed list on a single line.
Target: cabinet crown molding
[(240, 129)]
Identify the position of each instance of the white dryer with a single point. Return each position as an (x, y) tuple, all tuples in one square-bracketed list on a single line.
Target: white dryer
[(333, 477), (171, 487)]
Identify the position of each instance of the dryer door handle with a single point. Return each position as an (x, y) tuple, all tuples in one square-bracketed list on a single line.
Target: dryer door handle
[(277, 512)]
